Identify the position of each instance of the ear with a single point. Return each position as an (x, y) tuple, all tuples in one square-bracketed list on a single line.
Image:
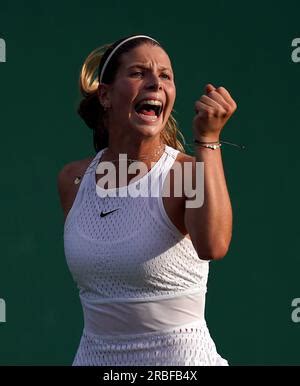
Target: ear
[(103, 92)]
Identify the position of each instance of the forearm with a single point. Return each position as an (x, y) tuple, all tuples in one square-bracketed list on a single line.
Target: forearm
[(210, 225)]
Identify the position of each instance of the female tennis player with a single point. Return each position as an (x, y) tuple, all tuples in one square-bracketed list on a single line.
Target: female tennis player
[(141, 261)]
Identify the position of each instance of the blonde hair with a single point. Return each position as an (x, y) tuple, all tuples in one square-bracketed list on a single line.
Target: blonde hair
[(92, 112)]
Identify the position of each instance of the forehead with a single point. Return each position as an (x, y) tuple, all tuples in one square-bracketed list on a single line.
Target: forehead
[(146, 54)]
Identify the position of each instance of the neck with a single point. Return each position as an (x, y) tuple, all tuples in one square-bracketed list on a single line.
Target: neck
[(146, 149)]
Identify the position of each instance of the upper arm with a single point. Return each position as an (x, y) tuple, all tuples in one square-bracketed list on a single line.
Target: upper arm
[(193, 187), (192, 194), (63, 183), (182, 180), (201, 217)]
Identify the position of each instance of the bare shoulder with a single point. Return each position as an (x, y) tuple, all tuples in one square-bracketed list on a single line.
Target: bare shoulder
[(182, 160), (174, 204), (70, 171), (183, 157), (186, 162), (184, 176), (66, 187)]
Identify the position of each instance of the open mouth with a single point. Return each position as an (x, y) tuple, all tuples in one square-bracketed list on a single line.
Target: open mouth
[(149, 109)]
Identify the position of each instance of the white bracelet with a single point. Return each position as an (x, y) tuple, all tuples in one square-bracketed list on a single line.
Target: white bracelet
[(210, 146)]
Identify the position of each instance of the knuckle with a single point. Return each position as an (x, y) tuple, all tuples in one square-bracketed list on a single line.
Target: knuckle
[(206, 113), (227, 107), (225, 114), (210, 113), (221, 88), (220, 114)]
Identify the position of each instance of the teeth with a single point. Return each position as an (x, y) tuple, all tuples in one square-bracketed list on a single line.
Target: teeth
[(152, 102)]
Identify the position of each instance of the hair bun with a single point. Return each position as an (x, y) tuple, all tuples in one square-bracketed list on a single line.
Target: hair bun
[(89, 110)]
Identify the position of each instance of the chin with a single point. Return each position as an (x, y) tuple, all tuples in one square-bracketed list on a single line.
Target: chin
[(144, 127), (146, 130)]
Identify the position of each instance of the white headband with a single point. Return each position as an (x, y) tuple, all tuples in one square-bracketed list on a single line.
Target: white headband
[(117, 47)]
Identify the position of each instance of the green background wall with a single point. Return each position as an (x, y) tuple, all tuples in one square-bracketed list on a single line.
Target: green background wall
[(246, 47)]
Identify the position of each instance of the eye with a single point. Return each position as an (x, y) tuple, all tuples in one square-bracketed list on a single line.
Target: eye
[(165, 76), (137, 74)]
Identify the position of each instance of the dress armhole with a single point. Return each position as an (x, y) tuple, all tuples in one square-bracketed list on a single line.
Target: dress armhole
[(168, 221)]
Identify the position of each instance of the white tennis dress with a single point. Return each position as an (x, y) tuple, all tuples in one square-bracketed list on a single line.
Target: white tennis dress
[(141, 283)]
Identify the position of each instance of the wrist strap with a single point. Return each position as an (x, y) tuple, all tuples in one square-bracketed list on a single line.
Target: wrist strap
[(208, 145), (198, 142), (217, 144)]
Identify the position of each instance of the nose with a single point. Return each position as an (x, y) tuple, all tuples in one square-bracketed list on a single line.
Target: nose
[(154, 83)]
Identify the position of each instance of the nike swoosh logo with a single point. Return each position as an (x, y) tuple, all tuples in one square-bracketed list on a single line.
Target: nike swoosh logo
[(103, 214)]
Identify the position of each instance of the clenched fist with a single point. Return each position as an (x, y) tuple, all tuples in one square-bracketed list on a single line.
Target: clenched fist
[(213, 110)]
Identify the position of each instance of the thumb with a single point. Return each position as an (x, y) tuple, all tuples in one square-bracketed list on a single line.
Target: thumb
[(209, 87)]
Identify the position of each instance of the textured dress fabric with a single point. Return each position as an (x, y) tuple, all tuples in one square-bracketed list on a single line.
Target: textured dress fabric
[(141, 283)]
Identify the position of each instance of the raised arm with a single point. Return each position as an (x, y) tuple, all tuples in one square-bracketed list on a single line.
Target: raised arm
[(210, 225)]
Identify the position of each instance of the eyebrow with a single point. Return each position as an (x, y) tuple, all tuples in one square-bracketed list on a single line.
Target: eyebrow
[(140, 65)]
